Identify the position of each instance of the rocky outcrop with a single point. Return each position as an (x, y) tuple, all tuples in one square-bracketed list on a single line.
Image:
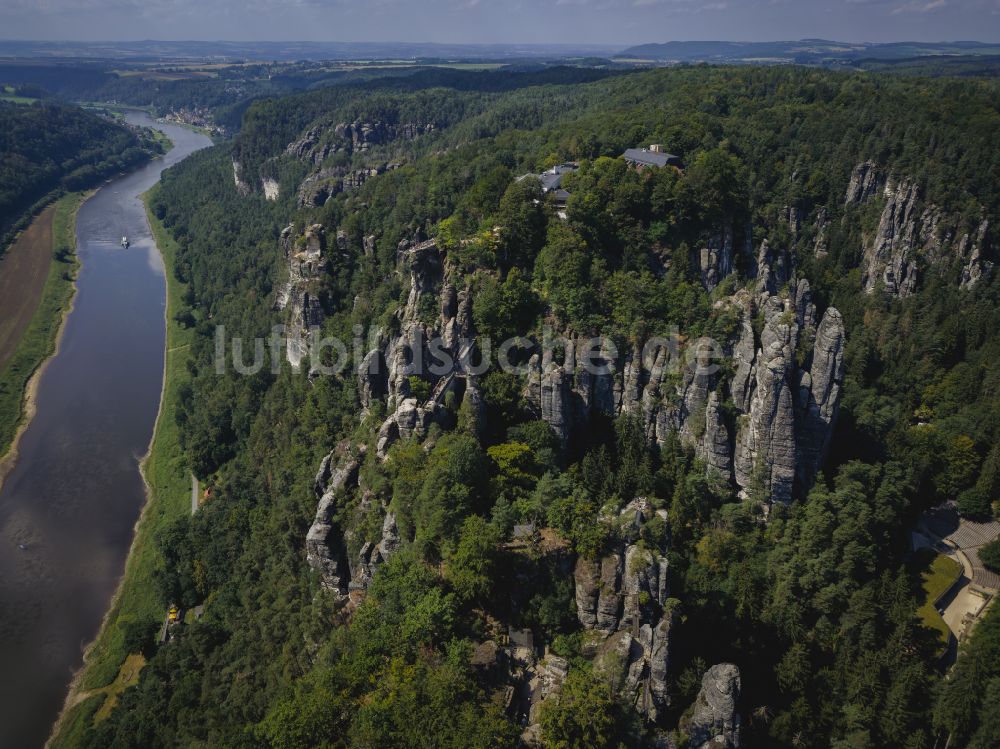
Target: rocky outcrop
[(320, 186), (913, 236), (971, 250), (715, 260), (587, 577), (544, 681), (344, 140), (326, 552), (715, 722), (784, 401), (714, 448), (661, 384), (820, 246), (744, 355), (793, 218), (819, 396), (774, 269), (304, 254), (609, 599), (537, 682), (566, 394), (323, 141), (242, 186), (373, 554), (328, 547), (433, 349), (270, 187), (865, 182), (786, 410), (553, 399), (890, 257), (722, 252), (765, 441), (623, 598)]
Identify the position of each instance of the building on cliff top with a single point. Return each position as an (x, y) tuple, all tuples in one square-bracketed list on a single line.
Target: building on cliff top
[(652, 156)]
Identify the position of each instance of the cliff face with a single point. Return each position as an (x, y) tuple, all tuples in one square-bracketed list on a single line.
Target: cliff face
[(622, 599), (340, 144), (784, 409), (325, 550), (913, 236), (724, 251), (321, 142), (323, 184), (299, 295), (385, 373), (329, 150), (715, 722)]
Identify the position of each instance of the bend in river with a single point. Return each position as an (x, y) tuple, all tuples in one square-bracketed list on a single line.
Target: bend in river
[(74, 497)]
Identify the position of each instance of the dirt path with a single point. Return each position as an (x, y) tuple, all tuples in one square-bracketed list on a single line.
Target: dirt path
[(23, 271)]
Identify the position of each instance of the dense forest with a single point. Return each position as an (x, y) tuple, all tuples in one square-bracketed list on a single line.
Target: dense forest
[(47, 148), (518, 556)]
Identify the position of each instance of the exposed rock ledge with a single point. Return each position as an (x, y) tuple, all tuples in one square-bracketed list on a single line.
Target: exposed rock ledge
[(913, 235), (715, 722)]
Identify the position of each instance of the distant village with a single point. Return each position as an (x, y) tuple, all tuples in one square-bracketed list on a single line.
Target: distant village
[(196, 117)]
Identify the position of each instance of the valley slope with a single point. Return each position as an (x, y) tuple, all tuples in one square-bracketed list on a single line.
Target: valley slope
[(702, 540)]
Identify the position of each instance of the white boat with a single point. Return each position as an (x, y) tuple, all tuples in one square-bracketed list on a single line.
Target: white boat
[(125, 242)]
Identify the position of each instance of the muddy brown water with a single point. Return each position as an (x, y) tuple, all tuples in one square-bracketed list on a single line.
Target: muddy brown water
[(68, 508)]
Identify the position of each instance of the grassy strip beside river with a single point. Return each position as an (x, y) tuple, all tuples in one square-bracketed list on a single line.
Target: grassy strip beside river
[(38, 342), (169, 489)]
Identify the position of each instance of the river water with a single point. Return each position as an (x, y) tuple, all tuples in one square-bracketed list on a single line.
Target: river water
[(75, 494)]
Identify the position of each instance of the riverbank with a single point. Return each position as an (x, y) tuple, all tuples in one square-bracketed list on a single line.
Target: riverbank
[(37, 340), (167, 480)]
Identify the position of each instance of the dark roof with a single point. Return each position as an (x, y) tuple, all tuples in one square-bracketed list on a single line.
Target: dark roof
[(650, 158), (551, 179)]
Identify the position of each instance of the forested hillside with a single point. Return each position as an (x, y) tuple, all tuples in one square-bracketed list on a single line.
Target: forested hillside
[(48, 148), (659, 553)]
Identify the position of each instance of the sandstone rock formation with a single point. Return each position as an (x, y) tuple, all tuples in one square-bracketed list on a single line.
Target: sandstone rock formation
[(715, 261), (325, 549), (715, 722), (784, 410), (304, 254), (242, 186), (913, 235), (323, 141), (865, 182), (890, 257), (623, 598), (765, 445), (819, 395), (328, 546)]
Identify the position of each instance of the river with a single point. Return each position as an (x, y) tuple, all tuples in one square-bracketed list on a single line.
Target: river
[(75, 494)]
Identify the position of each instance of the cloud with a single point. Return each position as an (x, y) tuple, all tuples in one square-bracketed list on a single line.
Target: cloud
[(486, 21), (682, 6), (920, 7)]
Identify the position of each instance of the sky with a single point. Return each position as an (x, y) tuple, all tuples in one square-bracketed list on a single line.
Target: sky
[(613, 22)]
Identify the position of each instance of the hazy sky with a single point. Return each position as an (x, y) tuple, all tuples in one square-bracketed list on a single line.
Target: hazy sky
[(620, 22)]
